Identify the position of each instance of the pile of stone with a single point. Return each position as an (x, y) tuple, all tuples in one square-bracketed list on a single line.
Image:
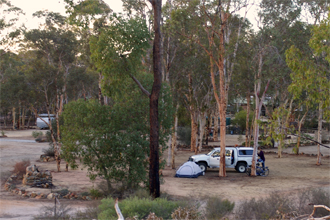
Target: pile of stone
[(36, 178), (45, 158)]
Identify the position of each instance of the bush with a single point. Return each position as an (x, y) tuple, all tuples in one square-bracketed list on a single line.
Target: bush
[(139, 208), (95, 193), (186, 213), (240, 119), (267, 208), (217, 208), (306, 200), (184, 135), (20, 167), (49, 151), (47, 213), (91, 212), (37, 134)]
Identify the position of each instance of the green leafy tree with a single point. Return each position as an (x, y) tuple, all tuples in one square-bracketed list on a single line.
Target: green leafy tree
[(240, 119), (310, 74), (56, 44), (112, 140)]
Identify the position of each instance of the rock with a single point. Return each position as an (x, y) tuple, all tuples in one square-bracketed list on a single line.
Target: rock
[(50, 196), (33, 195), (41, 196)]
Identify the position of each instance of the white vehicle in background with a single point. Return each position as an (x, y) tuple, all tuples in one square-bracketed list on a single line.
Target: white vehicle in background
[(236, 157), (41, 124)]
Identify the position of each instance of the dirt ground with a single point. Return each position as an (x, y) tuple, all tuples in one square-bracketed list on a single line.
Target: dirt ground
[(287, 174)]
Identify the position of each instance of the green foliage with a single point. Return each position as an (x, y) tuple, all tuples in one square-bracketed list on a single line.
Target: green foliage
[(278, 127), (310, 72), (37, 134), (183, 117), (139, 208), (112, 141), (119, 49), (184, 135), (217, 208), (240, 119), (95, 193)]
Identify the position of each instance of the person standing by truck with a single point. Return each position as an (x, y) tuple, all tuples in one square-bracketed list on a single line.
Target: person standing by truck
[(262, 158)]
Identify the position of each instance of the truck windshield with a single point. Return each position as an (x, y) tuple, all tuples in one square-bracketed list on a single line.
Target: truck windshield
[(210, 153)]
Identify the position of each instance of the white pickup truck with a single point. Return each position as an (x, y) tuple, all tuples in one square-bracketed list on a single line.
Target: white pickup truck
[(236, 157)]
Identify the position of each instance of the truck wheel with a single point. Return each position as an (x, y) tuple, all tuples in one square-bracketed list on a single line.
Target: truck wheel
[(241, 167), (203, 166)]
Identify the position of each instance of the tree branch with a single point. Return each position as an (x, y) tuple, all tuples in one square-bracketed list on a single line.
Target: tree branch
[(146, 92)]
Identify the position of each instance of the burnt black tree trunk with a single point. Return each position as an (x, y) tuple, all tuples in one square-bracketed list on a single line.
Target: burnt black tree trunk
[(154, 184)]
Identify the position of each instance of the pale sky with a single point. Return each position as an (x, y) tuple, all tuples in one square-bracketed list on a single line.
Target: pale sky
[(31, 6)]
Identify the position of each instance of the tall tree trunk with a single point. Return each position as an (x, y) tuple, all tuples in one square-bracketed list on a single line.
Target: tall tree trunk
[(216, 124), (299, 130), (23, 118), (247, 132), (258, 101), (174, 137), (194, 126), (100, 90), (201, 131), (319, 138), (154, 183), (14, 117)]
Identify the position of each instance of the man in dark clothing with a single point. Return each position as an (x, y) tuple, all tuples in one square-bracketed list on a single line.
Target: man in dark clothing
[(262, 158)]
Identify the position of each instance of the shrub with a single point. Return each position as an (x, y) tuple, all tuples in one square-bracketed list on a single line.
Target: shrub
[(20, 167), (91, 212), (217, 208), (142, 193), (184, 135), (47, 213), (49, 151), (37, 134), (63, 192), (307, 198), (186, 213), (139, 208), (267, 208), (95, 193)]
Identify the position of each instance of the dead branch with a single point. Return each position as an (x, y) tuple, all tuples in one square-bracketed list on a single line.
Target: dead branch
[(120, 216), (319, 206)]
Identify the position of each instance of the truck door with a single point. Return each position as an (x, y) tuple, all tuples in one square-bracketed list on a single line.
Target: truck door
[(228, 157), (215, 159)]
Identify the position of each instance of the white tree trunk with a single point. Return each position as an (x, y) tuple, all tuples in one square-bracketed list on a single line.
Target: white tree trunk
[(319, 138), (202, 122)]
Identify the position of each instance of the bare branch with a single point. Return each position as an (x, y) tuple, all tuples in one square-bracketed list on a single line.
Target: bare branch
[(146, 92)]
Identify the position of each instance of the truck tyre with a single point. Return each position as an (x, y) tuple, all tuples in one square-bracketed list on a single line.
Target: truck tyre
[(203, 166), (241, 167)]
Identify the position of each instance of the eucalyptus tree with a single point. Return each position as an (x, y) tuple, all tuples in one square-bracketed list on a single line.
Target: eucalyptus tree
[(57, 45), (14, 91), (8, 33), (310, 73), (88, 18), (118, 52), (207, 22)]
